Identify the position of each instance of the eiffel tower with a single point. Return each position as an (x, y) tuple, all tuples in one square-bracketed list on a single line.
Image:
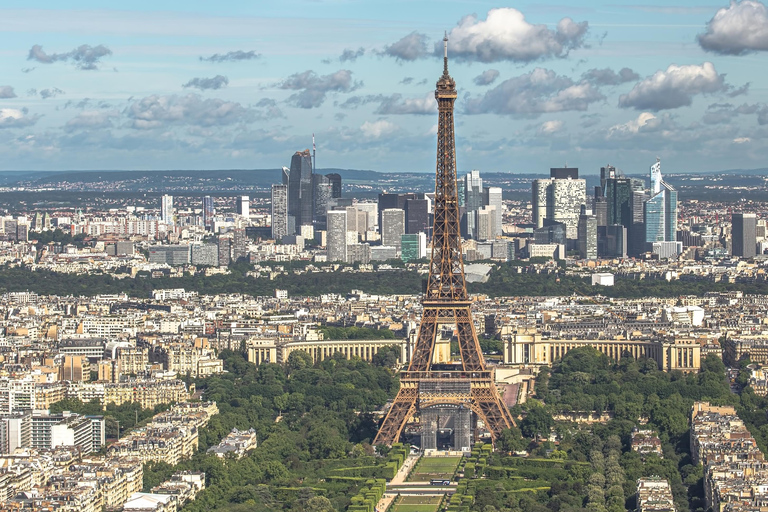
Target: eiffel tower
[(446, 303)]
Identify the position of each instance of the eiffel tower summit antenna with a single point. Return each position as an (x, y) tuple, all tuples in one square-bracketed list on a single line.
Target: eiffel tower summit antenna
[(432, 385)]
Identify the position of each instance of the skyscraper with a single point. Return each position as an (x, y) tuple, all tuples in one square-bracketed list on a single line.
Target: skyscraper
[(559, 200), (416, 216), (392, 227), (743, 235), (208, 212), (279, 211), (335, 180), (166, 210), (492, 197), (660, 214), (588, 237), (239, 244), (242, 206), (322, 195), (539, 201), (473, 199), (337, 235), (300, 188)]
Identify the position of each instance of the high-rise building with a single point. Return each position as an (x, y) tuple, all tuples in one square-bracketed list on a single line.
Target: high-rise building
[(322, 196), (473, 199), (541, 197), (416, 216), (485, 223), (563, 173), (300, 189), (239, 244), (559, 200), (743, 235), (225, 245), (413, 246), (612, 241), (492, 197), (242, 206), (588, 237), (208, 212), (335, 181), (279, 211), (166, 209), (660, 213), (392, 227), (337, 235), (568, 196)]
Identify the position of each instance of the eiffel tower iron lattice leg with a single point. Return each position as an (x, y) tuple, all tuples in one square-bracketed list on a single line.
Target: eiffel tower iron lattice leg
[(446, 302)]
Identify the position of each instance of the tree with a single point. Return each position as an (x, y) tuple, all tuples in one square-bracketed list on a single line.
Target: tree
[(538, 422)]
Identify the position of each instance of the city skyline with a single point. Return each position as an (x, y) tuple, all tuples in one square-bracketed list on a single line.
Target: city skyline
[(161, 86)]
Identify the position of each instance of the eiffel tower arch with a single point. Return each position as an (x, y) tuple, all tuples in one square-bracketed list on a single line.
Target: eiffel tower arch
[(427, 383)]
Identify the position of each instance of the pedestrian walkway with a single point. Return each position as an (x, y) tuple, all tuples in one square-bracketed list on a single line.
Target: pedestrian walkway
[(399, 478)]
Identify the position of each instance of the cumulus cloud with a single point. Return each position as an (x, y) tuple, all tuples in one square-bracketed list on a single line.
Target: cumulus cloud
[(16, 118), (409, 48), (313, 87), (673, 88), (50, 93), (487, 77), (645, 122), (740, 28), (376, 129), (550, 127), (608, 76), (156, 111), (534, 93), (351, 55), (396, 104), (85, 56), (92, 120), (234, 56), (216, 82), (505, 35)]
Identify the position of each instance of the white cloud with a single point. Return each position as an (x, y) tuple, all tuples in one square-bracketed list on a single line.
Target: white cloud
[(740, 28), (550, 127), (6, 91), (156, 111), (376, 129), (741, 140), (91, 120), (505, 35), (537, 92), (15, 118), (314, 87), (674, 87), (645, 121), (395, 104), (409, 48)]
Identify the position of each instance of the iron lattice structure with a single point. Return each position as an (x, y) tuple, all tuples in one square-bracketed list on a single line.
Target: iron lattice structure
[(446, 302)]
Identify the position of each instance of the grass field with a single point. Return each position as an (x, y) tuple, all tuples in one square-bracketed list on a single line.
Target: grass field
[(434, 467), (417, 504)]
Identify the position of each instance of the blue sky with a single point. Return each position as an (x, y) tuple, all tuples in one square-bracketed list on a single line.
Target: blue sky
[(203, 85)]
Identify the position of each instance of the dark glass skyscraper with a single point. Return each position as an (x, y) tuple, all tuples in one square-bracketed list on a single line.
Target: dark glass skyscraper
[(743, 235), (300, 189), (208, 212)]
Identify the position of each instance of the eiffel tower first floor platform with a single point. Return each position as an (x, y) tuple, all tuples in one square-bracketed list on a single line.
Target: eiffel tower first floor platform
[(421, 391)]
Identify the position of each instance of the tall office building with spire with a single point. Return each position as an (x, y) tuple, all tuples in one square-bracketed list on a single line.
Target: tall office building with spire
[(300, 190)]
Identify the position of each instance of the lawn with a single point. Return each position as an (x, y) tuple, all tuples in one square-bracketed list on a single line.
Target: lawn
[(417, 504), (434, 467)]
